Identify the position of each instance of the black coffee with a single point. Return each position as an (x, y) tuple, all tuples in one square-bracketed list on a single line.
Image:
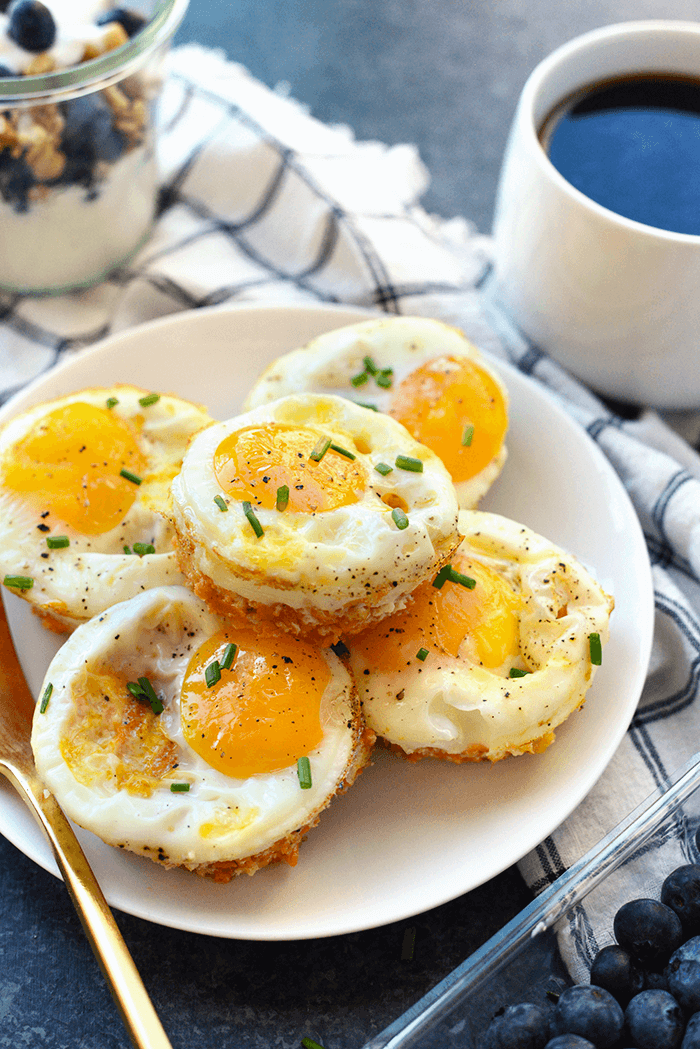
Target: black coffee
[(633, 145)]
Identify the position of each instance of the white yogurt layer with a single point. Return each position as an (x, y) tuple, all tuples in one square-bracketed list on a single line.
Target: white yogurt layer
[(75, 27), (66, 239)]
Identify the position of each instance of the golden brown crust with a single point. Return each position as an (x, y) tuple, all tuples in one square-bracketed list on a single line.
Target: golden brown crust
[(311, 624), (50, 614), (476, 752)]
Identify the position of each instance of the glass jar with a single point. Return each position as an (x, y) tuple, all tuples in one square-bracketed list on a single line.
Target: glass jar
[(78, 174)]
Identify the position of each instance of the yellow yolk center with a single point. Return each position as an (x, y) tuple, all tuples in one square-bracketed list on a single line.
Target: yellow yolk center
[(69, 463), (252, 464), (439, 401), (264, 713), (485, 619)]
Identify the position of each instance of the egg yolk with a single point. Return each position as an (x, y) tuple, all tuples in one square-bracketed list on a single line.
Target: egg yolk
[(439, 404), (263, 713), (251, 464), (69, 464), (486, 618)]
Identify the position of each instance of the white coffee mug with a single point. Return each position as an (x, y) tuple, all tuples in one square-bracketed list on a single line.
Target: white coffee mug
[(615, 301)]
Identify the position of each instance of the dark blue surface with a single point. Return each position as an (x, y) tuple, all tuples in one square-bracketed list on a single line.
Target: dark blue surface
[(445, 76)]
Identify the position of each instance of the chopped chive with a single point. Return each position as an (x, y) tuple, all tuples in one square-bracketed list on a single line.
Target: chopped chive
[(221, 503), (150, 694), (407, 462), (18, 582), (384, 378), (128, 550), (282, 497), (127, 474), (319, 449), (370, 366), (228, 656), (596, 649), (365, 404), (360, 379), (341, 649), (57, 542), (45, 698), (343, 451), (250, 514), (144, 548), (517, 672), (463, 580), (400, 519), (178, 788), (422, 654), (467, 435), (384, 469), (135, 689), (308, 1043), (212, 673), (442, 577), (304, 773), (111, 402), (149, 399)]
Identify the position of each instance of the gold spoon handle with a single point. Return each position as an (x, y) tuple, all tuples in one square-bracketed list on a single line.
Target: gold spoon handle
[(122, 976)]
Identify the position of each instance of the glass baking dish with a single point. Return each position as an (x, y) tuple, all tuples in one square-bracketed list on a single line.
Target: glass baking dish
[(558, 933)]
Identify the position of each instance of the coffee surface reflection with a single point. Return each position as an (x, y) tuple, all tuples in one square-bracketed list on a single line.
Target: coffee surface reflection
[(633, 145)]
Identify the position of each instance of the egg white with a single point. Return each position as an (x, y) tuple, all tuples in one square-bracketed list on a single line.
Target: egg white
[(154, 635), (328, 363), (314, 570), (72, 584), (455, 708)]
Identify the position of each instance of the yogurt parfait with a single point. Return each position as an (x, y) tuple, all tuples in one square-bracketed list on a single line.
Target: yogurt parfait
[(78, 180)]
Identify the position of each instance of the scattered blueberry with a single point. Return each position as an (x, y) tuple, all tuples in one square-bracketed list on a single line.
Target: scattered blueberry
[(691, 1038), (591, 1012), (130, 21), (614, 970), (683, 974), (524, 1026), (31, 25), (654, 1020), (649, 930), (569, 1041), (681, 892)]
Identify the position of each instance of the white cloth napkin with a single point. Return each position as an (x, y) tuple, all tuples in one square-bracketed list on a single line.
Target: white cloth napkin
[(263, 203)]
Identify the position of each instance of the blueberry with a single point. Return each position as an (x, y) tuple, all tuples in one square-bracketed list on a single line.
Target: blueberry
[(654, 1021), (614, 970), (683, 974), (88, 134), (31, 25), (691, 1038), (130, 21), (569, 1041), (591, 1012), (16, 179), (649, 930), (655, 982), (681, 892), (5, 72), (524, 1026)]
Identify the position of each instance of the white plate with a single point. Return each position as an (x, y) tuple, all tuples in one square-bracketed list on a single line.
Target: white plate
[(406, 837)]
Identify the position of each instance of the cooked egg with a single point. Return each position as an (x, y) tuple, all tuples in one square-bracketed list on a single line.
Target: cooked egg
[(84, 483), (420, 371), (311, 514), (489, 658), (205, 775)]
